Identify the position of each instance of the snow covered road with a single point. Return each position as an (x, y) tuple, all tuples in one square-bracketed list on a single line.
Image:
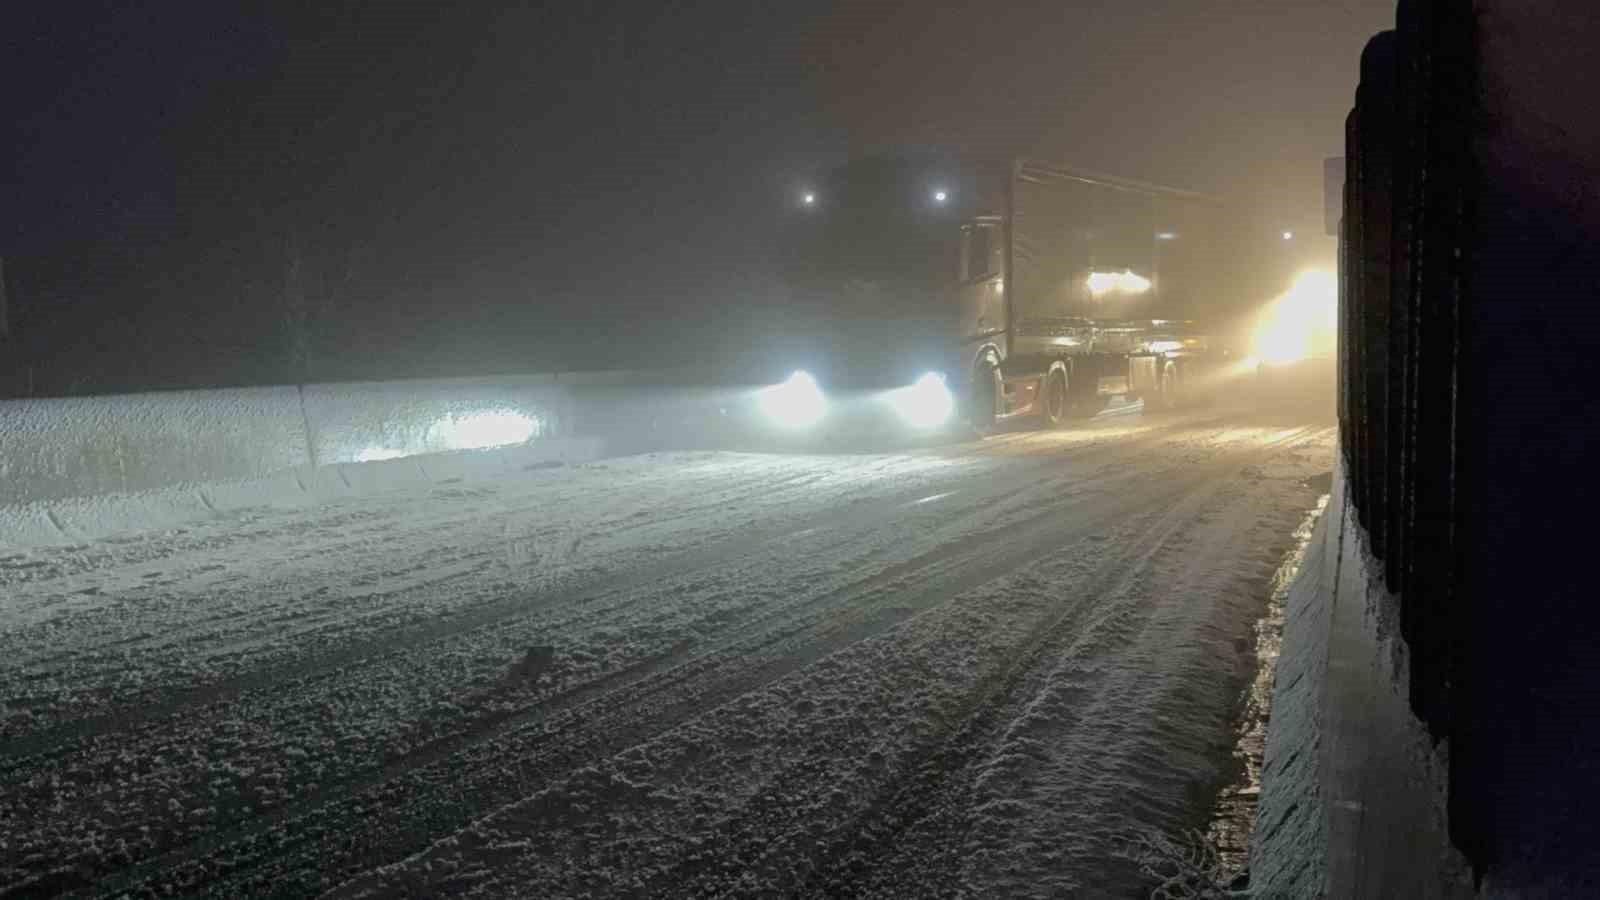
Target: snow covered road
[(968, 670)]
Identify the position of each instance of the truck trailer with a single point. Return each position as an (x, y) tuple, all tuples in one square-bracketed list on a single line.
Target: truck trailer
[(1075, 287)]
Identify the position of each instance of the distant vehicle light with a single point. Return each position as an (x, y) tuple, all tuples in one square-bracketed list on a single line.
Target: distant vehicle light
[(1166, 235), (1301, 322), (796, 403), (926, 404), (1124, 282)]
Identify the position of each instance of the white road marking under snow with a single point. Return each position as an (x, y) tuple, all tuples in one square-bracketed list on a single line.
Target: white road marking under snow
[(964, 670)]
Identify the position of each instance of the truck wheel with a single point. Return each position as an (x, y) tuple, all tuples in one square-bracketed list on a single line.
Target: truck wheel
[(983, 404), (1056, 406)]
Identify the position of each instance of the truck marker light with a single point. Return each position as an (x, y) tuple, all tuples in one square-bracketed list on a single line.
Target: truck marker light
[(1124, 282), (796, 403)]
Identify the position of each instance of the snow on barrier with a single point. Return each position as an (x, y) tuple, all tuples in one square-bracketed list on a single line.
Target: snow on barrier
[(53, 449), (1353, 794), (79, 468)]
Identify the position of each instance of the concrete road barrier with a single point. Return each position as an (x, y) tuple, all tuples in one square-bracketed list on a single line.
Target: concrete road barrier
[(1353, 789), (75, 469), (93, 446)]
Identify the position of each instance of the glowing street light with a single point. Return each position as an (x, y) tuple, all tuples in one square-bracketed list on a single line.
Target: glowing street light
[(1288, 235), (809, 199), (941, 195)]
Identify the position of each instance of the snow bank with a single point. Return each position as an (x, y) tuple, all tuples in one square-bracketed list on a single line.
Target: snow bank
[(80, 468), (1353, 790)]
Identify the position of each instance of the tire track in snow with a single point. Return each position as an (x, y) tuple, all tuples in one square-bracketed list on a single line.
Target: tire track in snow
[(838, 865), (494, 607), (88, 802), (1038, 453), (493, 611), (847, 864), (1069, 477), (1020, 554), (781, 640)]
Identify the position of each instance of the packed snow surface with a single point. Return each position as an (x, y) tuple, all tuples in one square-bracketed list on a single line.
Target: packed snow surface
[(964, 670)]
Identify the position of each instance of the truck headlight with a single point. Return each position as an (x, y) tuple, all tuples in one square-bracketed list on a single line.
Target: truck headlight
[(926, 404), (796, 403)]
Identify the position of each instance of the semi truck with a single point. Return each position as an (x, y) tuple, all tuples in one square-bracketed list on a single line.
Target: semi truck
[(995, 292)]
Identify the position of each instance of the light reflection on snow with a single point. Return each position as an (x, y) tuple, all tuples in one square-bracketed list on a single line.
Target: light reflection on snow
[(926, 404), (472, 431), (481, 430)]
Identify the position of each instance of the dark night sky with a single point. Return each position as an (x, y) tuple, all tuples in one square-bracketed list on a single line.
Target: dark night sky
[(558, 171)]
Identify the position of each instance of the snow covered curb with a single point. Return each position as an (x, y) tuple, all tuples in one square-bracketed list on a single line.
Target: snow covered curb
[(1353, 789)]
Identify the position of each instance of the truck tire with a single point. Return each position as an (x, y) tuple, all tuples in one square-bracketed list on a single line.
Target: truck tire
[(983, 401), (1057, 405)]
